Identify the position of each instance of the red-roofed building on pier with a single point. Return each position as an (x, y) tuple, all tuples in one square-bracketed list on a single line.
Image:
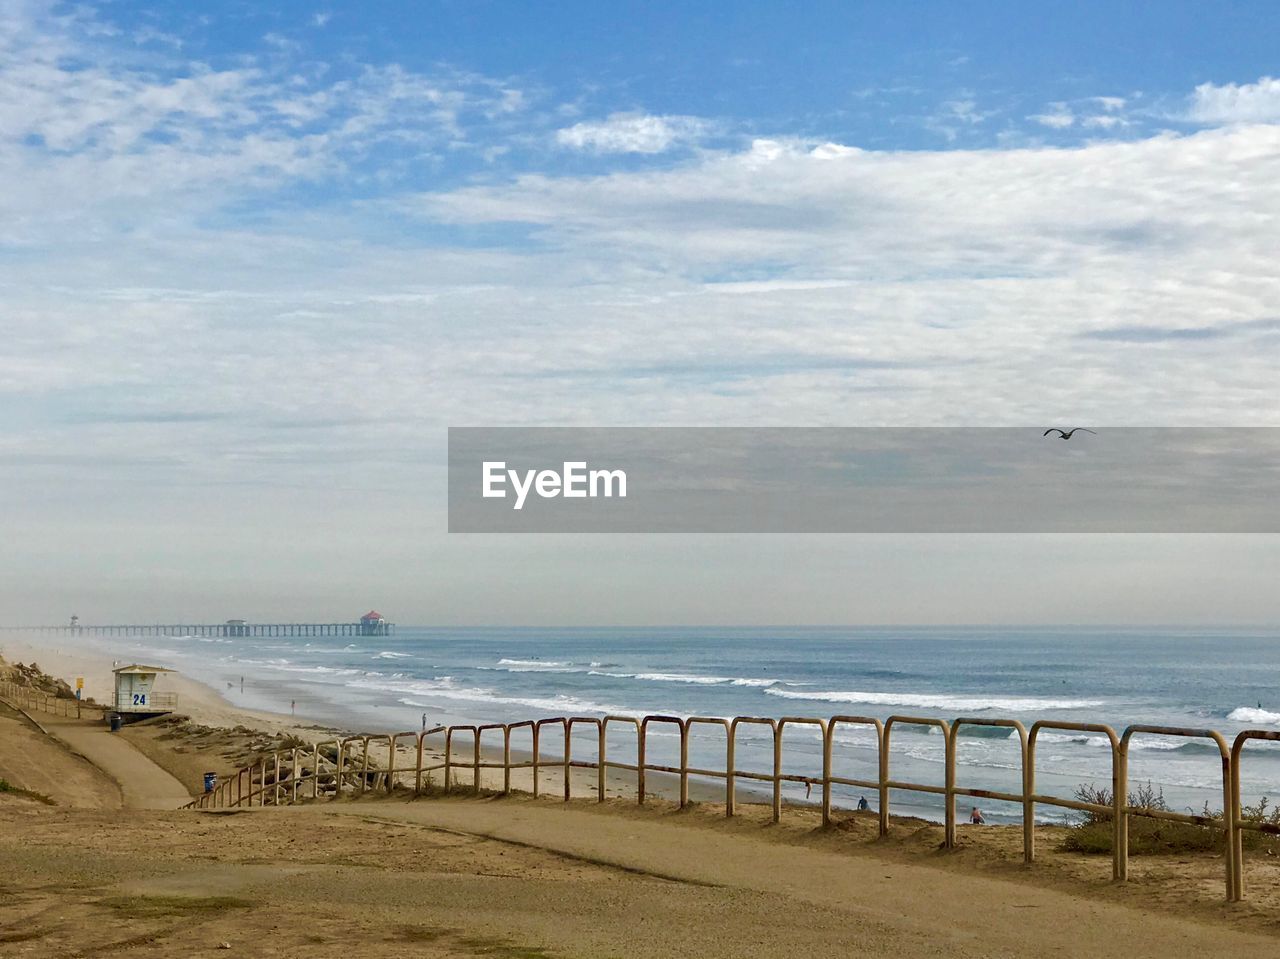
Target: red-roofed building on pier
[(373, 623)]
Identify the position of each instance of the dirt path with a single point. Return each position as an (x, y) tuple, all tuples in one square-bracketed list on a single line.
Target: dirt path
[(144, 784), (889, 908), (443, 879), (33, 761)]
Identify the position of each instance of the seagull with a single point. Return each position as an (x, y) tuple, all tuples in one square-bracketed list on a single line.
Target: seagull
[(1066, 434)]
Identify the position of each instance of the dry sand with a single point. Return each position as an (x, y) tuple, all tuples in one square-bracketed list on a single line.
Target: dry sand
[(524, 878), (33, 761)]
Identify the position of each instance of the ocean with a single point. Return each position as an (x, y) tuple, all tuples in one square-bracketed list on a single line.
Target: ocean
[(1225, 679)]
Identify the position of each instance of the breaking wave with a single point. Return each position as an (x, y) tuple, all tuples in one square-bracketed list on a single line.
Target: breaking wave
[(975, 704)]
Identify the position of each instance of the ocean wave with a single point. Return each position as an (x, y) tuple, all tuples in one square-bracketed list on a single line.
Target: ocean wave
[(974, 704), (1254, 716), (533, 666), (446, 687), (389, 654), (558, 705), (286, 666), (691, 679), (1143, 745)]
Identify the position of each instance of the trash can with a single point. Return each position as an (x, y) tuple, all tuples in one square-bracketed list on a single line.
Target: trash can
[(116, 722), (210, 782)]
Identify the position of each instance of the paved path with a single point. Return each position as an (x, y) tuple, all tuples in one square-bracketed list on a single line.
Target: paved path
[(144, 784)]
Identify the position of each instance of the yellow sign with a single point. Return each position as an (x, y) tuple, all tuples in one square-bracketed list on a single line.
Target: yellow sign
[(79, 682)]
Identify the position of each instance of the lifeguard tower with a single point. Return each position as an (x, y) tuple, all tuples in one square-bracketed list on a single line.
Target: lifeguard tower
[(135, 692)]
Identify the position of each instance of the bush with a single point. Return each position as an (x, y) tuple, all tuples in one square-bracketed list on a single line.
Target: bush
[(1154, 837)]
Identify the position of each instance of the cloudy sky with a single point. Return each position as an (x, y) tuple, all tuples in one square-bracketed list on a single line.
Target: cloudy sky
[(253, 263)]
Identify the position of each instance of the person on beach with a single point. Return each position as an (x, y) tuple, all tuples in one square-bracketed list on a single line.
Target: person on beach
[(863, 806), (975, 817)]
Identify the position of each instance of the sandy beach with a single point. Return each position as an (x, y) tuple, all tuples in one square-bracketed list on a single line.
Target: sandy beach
[(64, 658)]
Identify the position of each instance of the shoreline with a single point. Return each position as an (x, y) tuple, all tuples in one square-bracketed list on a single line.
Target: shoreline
[(198, 700), (205, 706)]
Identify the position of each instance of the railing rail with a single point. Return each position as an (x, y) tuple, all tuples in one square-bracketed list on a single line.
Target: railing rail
[(358, 764), (28, 697)]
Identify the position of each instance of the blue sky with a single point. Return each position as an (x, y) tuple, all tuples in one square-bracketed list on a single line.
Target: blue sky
[(920, 76), (255, 261)]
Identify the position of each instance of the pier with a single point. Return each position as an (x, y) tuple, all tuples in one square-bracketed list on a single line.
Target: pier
[(367, 626)]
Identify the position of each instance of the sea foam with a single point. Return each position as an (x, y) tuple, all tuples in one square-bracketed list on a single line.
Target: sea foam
[(936, 701)]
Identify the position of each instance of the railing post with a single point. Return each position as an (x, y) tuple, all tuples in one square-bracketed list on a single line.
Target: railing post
[(730, 753), (506, 759), (642, 737), (1237, 834), (1229, 806), (730, 758), (340, 760), (1120, 866), (417, 771), (601, 750), (1029, 803), (1119, 826), (475, 763), (826, 778), (884, 783), (567, 752), (364, 766), (684, 764), (949, 797), (448, 758), (537, 732), (777, 773), (391, 764)]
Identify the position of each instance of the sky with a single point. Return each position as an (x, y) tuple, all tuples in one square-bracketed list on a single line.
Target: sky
[(254, 262)]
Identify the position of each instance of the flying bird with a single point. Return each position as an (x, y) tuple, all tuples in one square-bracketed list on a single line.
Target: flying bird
[(1066, 434)]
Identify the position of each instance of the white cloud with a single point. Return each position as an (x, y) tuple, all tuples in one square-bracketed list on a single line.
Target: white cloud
[(1104, 121), (1096, 113), (1236, 103), (210, 382), (966, 111), (89, 129), (632, 133), (1059, 119)]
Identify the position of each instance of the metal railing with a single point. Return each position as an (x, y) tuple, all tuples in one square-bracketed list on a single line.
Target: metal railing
[(27, 697), (350, 767)]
